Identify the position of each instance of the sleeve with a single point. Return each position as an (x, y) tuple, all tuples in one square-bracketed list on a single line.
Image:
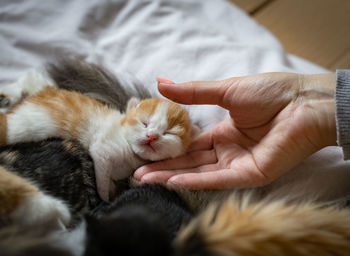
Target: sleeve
[(342, 110)]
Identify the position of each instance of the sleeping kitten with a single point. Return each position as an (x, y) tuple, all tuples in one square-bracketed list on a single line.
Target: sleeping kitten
[(151, 130)]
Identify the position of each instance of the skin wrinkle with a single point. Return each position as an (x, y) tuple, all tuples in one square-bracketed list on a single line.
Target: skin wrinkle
[(266, 177), (196, 157), (208, 144), (192, 95), (226, 93)]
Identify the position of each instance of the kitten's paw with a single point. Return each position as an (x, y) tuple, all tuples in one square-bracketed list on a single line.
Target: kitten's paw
[(9, 97), (43, 210), (4, 101)]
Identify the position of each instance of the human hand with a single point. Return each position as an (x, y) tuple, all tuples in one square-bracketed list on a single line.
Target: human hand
[(276, 120)]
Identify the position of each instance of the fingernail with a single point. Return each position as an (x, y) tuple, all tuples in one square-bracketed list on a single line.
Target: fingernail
[(140, 172), (137, 176), (161, 80)]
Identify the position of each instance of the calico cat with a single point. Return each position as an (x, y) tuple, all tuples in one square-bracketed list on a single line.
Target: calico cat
[(59, 168), (151, 130)]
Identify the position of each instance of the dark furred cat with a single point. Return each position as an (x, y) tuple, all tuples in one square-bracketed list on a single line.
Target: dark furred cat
[(61, 168), (151, 215)]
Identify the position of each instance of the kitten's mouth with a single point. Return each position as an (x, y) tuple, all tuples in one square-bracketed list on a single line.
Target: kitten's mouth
[(148, 146)]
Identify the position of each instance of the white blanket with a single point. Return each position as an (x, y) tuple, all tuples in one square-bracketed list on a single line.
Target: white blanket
[(177, 39)]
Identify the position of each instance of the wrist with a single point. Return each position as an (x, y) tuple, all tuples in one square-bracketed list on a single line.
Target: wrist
[(318, 91)]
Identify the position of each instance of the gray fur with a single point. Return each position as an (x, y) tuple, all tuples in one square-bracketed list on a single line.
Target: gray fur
[(77, 75), (61, 168)]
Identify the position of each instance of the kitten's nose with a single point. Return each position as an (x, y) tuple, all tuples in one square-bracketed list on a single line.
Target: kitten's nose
[(152, 137)]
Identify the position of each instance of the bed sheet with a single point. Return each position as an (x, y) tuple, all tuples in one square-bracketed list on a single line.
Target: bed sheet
[(180, 40)]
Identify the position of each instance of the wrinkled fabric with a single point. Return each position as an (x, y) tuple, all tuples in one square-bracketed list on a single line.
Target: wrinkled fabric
[(180, 40)]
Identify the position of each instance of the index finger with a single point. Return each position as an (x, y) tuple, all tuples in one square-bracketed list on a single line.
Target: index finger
[(195, 92)]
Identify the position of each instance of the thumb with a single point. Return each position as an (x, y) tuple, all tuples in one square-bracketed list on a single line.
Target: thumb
[(195, 92)]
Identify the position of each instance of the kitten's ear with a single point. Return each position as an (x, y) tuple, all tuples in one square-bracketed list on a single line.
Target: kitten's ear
[(132, 103), (195, 131)]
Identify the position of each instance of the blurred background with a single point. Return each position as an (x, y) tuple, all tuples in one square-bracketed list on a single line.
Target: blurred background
[(317, 30)]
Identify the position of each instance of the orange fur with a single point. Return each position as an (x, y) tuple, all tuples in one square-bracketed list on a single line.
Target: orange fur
[(68, 145), (130, 118), (147, 107), (177, 116), (13, 191), (68, 108), (9, 157), (269, 228)]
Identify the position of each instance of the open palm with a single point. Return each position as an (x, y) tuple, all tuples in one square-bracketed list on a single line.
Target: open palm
[(273, 126)]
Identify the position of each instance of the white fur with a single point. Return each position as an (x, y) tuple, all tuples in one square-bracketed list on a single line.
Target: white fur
[(73, 240), (107, 139), (31, 83), (30, 122), (112, 155), (42, 209), (168, 144)]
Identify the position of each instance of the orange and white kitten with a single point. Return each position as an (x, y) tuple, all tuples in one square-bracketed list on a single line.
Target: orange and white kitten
[(150, 130)]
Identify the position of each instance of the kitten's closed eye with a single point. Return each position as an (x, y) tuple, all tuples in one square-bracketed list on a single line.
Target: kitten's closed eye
[(144, 123), (176, 130)]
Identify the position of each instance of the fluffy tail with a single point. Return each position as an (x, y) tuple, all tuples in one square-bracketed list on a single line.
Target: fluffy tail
[(95, 81), (237, 227)]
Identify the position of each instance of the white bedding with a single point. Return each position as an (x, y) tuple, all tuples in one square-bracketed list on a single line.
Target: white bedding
[(177, 39)]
